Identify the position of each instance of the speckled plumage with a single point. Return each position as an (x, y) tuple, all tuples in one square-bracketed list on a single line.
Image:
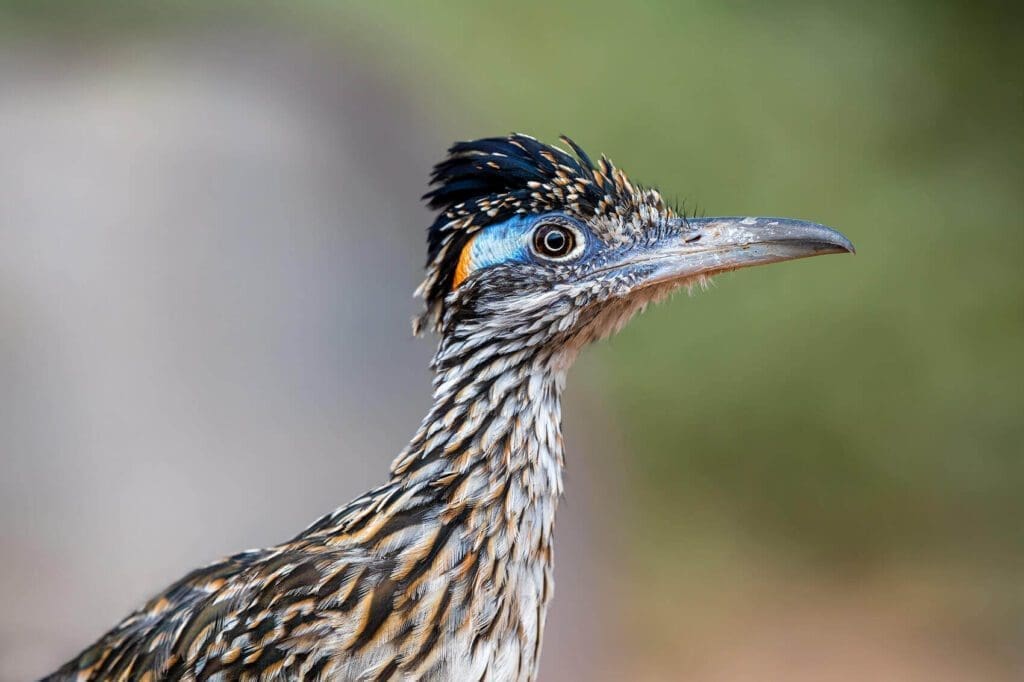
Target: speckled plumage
[(445, 571)]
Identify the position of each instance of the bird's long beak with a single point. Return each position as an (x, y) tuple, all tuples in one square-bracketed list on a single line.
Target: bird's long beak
[(710, 245)]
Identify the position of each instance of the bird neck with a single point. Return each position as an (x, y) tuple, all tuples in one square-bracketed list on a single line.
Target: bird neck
[(493, 439)]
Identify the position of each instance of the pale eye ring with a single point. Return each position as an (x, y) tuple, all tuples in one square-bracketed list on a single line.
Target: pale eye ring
[(555, 240)]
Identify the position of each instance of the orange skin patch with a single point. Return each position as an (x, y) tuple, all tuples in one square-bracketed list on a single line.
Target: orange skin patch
[(465, 265)]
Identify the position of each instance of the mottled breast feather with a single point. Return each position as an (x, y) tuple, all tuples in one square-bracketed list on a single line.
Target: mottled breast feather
[(442, 573)]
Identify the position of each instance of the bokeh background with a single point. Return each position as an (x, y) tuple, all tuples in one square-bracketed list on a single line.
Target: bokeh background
[(209, 235)]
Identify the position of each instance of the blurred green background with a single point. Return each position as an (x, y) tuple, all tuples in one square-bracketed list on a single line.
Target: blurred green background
[(836, 443)]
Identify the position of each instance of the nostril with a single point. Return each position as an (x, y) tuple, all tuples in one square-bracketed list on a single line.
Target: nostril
[(694, 238)]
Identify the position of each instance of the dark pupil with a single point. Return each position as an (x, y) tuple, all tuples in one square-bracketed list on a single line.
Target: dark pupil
[(555, 241)]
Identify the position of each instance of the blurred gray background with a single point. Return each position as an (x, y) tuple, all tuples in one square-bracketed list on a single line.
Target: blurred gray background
[(209, 236)]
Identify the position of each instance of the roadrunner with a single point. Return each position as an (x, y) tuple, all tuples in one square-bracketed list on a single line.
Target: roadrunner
[(445, 571)]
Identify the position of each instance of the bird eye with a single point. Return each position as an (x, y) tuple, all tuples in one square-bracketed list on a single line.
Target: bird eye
[(554, 240)]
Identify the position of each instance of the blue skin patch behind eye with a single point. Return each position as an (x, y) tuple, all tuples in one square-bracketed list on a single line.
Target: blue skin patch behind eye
[(507, 242)]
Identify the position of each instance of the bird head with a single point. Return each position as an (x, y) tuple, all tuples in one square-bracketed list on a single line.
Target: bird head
[(539, 249)]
